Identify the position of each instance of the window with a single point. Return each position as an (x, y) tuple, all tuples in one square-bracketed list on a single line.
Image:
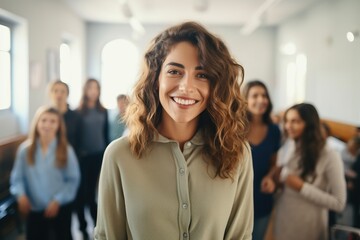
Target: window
[(5, 67), (296, 79), (120, 65), (70, 69), (65, 63)]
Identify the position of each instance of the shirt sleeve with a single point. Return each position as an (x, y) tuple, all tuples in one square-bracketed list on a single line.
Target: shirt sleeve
[(111, 216), (17, 178), (335, 199), (240, 225), (71, 179)]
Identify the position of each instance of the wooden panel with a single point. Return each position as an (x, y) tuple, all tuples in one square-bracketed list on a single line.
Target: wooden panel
[(8, 148), (340, 130), (9, 219)]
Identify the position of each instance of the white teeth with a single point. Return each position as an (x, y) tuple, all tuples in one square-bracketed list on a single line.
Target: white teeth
[(184, 101)]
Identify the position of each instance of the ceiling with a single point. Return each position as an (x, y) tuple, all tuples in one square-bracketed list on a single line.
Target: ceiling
[(250, 13)]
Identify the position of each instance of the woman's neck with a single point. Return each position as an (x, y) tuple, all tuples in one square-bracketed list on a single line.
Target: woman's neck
[(257, 120), (45, 143), (180, 132), (62, 108), (91, 104)]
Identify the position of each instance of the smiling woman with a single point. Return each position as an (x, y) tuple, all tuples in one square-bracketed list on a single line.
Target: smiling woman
[(186, 160)]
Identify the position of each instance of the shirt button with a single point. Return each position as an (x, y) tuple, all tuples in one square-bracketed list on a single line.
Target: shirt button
[(185, 235), (182, 171), (188, 144), (184, 205)]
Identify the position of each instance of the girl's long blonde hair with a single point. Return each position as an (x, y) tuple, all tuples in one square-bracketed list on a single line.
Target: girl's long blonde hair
[(61, 148)]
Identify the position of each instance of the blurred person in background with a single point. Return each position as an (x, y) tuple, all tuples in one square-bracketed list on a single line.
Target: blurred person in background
[(117, 125), (264, 138), (93, 141), (45, 178)]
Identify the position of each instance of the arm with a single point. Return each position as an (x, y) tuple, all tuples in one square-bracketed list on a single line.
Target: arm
[(268, 184), (111, 215), (17, 187), (71, 179), (240, 225), (336, 198)]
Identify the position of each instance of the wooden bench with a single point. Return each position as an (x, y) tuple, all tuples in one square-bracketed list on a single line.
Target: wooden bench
[(9, 219), (342, 131)]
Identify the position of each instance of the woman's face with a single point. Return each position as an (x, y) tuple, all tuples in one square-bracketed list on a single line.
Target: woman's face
[(92, 91), (183, 85), (59, 94), (258, 101), (48, 125), (294, 124)]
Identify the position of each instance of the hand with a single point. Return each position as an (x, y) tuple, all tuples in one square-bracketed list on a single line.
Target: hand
[(294, 182), (24, 204), (267, 185), (52, 209), (350, 174)]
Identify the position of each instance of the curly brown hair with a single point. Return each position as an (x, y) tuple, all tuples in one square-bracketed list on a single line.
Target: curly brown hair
[(223, 124)]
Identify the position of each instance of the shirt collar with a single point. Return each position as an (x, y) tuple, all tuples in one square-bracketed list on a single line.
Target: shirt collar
[(197, 139), (52, 145)]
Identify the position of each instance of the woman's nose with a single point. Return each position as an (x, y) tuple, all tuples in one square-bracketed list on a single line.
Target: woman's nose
[(186, 84)]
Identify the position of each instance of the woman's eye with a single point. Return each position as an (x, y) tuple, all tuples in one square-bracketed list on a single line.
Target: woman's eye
[(202, 75), (174, 72)]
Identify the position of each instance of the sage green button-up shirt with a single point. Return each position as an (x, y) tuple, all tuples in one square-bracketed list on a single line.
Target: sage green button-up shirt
[(169, 194)]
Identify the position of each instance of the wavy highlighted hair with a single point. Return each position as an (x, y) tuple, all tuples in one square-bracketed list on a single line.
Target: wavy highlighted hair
[(223, 123)]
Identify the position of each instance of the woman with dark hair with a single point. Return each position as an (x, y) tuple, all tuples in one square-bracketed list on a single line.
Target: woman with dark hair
[(45, 178), (58, 95), (185, 170), (93, 141), (313, 179), (264, 138)]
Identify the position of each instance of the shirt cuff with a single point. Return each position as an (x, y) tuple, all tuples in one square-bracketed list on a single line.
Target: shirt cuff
[(283, 174)]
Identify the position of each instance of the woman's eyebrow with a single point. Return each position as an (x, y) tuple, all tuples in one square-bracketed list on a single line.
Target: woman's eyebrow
[(182, 66)]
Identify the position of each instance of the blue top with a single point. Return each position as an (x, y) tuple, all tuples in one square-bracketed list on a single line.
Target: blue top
[(261, 154), (117, 128), (43, 181)]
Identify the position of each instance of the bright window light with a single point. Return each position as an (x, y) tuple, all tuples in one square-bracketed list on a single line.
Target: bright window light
[(350, 36), (5, 67), (120, 66), (296, 80), (288, 49), (5, 42), (65, 63)]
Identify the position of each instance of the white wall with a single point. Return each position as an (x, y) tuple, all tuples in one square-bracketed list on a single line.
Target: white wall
[(255, 52), (48, 22), (333, 74)]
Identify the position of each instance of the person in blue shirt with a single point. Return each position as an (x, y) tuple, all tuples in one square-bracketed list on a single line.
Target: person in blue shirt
[(264, 138), (45, 178), (117, 125)]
